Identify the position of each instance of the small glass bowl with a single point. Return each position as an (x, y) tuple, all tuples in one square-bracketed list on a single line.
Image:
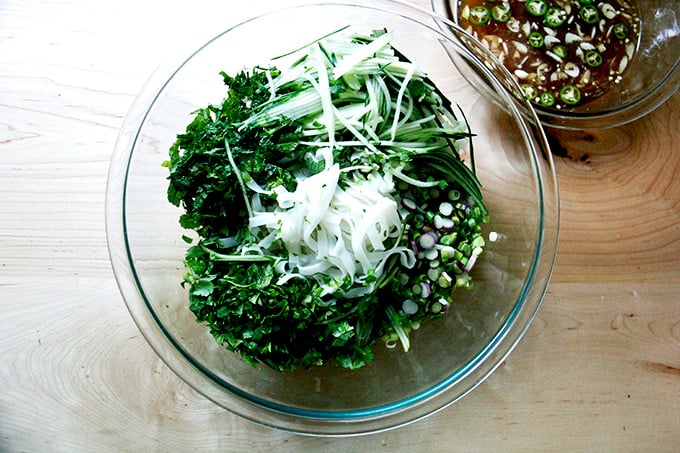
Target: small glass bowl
[(652, 76), (450, 356)]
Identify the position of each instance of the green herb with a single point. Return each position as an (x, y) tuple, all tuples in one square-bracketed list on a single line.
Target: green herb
[(331, 204)]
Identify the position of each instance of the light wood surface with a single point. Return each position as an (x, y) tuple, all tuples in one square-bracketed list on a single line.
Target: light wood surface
[(599, 369)]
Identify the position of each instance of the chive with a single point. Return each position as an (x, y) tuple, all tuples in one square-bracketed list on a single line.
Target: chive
[(593, 58), (535, 39), (589, 14), (501, 13), (480, 15), (536, 8), (555, 16), (621, 30), (570, 94)]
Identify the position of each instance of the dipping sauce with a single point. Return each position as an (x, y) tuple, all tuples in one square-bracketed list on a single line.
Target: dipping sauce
[(562, 52)]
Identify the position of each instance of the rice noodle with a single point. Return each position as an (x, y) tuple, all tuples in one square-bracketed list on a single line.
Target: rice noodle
[(337, 231)]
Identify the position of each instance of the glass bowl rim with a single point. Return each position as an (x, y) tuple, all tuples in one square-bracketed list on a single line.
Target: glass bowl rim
[(117, 232)]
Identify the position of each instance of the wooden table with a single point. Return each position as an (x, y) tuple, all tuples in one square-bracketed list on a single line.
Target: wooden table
[(598, 370)]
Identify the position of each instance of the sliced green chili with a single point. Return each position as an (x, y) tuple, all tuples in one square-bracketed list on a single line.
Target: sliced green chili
[(547, 99), (536, 8), (480, 15), (593, 58), (501, 13), (530, 91), (570, 94), (621, 30), (560, 50), (535, 39), (589, 14), (555, 17)]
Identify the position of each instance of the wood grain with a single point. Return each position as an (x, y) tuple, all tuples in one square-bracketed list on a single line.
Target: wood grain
[(598, 370), (620, 200)]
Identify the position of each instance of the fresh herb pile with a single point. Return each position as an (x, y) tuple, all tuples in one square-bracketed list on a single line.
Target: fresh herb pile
[(331, 205)]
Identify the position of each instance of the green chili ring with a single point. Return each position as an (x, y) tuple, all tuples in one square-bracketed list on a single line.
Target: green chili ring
[(547, 99), (621, 31), (501, 13), (593, 58), (560, 50), (530, 91), (570, 94), (555, 16), (536, 8), (535, 39), (589, 14), (480, 15)]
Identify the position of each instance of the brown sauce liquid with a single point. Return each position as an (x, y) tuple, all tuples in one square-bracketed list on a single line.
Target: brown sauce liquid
[(559, 65)]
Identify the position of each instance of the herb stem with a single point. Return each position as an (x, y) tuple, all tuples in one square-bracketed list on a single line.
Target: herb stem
[(237, 172)]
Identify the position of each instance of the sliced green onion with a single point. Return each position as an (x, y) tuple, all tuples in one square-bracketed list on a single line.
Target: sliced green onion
[(536, 8), (570, 94), (480, 15)]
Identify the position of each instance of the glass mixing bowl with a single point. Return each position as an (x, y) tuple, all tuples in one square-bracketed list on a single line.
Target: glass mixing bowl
[(651, 77), (448, 357)]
